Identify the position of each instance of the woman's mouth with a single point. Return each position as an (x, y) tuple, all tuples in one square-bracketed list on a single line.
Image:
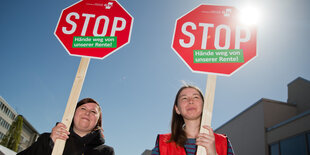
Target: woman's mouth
[(85, 118), (190, 109)]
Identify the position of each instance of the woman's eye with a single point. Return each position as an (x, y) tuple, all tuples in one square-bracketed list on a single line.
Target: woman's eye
[(94, 112), (197, 97)]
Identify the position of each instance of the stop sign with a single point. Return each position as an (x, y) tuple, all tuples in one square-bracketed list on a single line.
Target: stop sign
[(210, 39), (94, 28)]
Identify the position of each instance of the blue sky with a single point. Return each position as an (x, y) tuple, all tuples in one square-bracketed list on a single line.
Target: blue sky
[(137, 84)]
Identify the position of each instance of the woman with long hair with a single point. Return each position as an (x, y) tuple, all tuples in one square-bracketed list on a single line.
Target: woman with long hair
[(185, 126), (85, 136)]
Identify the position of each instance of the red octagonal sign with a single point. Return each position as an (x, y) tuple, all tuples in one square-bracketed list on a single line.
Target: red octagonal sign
[(210, 39), (94, 28)]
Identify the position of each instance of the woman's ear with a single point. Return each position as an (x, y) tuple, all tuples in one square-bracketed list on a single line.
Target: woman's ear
[(177, 109)]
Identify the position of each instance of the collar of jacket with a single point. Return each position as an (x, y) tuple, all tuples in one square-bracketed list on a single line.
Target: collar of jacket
[(94, 138)]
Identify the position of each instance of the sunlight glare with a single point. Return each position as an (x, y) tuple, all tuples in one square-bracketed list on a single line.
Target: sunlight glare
[(250, 15)]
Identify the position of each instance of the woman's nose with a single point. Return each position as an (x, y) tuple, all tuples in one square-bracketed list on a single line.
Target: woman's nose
[(87, 112), (190, 100)]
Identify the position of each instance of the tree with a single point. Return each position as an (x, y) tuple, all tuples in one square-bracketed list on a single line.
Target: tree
[(12, 137)]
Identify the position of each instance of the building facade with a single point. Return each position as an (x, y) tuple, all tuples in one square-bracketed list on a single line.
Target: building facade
[(271, 127), (28, 136), (7, 116)]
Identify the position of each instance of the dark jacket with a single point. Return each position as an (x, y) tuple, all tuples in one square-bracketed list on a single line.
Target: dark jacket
[(91, 144)]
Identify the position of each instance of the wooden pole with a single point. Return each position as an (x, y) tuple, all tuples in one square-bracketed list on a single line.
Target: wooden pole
[(71, 104), (207, 109)]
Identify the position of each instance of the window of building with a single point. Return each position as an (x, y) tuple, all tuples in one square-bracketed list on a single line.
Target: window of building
[(1, 135), (5, 109), (308, 135), (299, 144), (8, 112), (12, 116), (4, 123), (1, 121), (274, 149), (2, 106), (294, 145)]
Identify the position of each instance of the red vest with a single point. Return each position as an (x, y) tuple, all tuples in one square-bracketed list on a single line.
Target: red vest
[(166, 148)]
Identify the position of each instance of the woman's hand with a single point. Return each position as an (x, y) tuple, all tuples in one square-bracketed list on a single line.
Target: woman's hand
[(207, 141), (59, 132)]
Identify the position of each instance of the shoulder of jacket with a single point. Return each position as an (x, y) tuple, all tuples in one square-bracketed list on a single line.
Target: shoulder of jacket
[(220, 135), (44, 135), (165, 135), (105, 148)]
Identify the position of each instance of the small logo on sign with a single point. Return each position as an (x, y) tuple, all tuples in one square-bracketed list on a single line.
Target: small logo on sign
[(109, 5), (227, 12)]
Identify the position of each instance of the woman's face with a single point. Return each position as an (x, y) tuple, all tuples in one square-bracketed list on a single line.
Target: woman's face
[(189, 104), (86, 117)]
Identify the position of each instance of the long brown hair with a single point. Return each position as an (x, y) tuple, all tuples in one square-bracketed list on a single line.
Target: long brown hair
[(178, 135)]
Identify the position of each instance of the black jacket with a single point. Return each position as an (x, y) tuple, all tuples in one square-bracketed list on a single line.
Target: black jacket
[(91, 144)]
